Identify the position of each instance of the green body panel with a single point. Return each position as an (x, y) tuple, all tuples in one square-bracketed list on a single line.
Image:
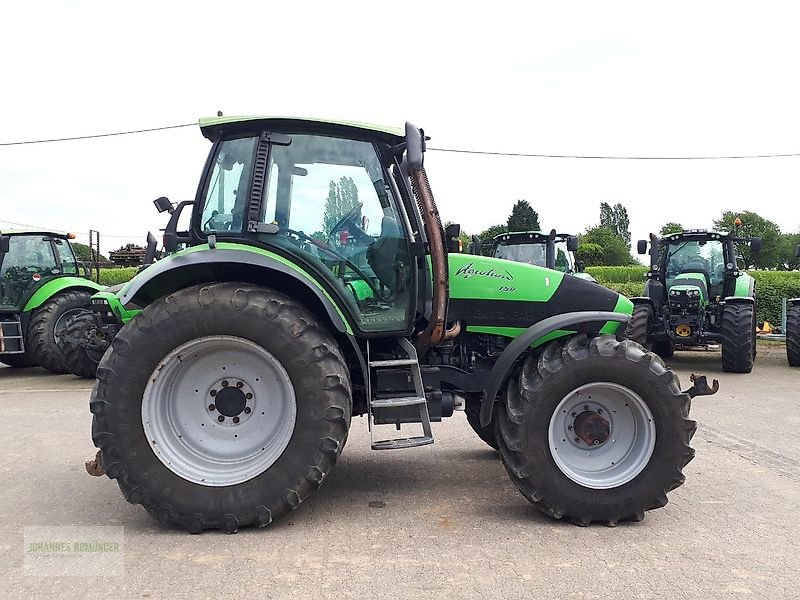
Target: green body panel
[(116, 307), (744, 283), (677, 284), (623, 306), (54, 286), (147, 273), (487, 278)]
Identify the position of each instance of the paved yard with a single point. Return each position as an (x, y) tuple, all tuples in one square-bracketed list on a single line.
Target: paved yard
[(441, 521)]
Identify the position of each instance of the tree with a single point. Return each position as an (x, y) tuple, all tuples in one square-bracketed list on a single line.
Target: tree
[(523, 217), (590, 254), (487, 235), (84, 253), (789, 261), (616, 219), (614, 250), (670, 227), (754, 225), (342, 198)]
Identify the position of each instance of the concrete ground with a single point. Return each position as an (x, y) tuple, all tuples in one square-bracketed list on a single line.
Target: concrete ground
[(442, 521)]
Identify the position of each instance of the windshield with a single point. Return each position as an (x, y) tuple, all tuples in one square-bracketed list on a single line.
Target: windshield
[(30, 259), (536, 254), (696, 256)]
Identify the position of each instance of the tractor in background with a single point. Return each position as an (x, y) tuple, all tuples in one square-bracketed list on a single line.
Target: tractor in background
[(697, 294)]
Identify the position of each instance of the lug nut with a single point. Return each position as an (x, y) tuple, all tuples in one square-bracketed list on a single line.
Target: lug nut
[(220, 418), (599, 411), (574, 414), (225, 383), (569, 427), (247, 410), (585, 407), (596, 442), (235, 419), (577, 439), (239, 384), (213, 393), (249, 396), (212, 407)]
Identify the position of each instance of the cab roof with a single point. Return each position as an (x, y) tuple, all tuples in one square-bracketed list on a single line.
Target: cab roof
[(528, 236), (58, 234), (696, 233), (212, 126)]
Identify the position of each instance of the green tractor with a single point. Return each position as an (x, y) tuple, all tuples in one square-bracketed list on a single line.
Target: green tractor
[(316, 286), (793, 328), (696, 294), (41, 286), (552, 250)]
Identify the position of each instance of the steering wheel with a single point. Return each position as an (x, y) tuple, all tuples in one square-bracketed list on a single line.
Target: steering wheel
[(322, 246), (350, 216)]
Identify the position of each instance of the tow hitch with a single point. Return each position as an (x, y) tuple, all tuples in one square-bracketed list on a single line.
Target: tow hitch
[(700, 386)]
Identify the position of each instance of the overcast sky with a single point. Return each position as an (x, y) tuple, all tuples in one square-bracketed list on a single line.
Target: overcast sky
[(610, 78)]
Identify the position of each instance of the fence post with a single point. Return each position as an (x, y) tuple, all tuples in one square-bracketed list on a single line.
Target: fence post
[(783, 316)]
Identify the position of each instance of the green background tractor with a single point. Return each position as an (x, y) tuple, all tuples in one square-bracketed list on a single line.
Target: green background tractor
[(316, 285), (696, 294), (553, 250), (40, 288)]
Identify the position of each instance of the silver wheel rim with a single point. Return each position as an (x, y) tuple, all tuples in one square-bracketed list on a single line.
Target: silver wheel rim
[(61, 322), (219, 410), (602, 435)]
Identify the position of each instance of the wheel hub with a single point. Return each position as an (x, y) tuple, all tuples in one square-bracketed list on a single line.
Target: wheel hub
[(592, 428)]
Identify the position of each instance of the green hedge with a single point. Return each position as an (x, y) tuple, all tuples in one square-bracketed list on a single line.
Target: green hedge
[(608, 275), (116, 276)]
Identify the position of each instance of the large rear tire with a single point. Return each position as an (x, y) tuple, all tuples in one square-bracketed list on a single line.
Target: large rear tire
[(472, 410), (738, 337), (793, 334), (221, 406), (664, 349), (47, 324), (599, 430), (18, 361)]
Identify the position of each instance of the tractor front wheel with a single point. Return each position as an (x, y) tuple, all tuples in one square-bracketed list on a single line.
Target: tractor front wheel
[(48, 323), (598, 431), (221, 406), (638, 327), (79, 360), (738, 337), (473, 412), (793, 334)]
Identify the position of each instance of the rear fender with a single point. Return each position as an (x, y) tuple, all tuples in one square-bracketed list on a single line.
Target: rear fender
[(502, 368), (56, 286)]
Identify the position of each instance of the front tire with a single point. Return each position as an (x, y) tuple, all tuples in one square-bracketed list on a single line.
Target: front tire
[(80, 361), (793, 334), (198, 457), (473, 413), (47, 324), (615, 391), (638, 327), (738, 337)]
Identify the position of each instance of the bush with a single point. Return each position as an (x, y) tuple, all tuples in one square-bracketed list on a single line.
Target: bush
[(117, 276), (771, 288), (606, 275), (629, 290)]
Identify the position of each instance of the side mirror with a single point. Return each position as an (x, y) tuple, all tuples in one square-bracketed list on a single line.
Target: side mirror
[(172, 238), (572, 243), (163, 205), (452, 231), (755, 245), (475, 246), (415, 147), (641, 246), (150, 252), (5, 243), (580, 266)]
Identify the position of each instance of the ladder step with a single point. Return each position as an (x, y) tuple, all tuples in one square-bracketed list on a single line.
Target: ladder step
[(400, 362), (392, 402), (400, 443)]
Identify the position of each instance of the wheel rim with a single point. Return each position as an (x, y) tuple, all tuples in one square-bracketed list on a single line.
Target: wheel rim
[(219, 410), (63, 320), (602, 435)]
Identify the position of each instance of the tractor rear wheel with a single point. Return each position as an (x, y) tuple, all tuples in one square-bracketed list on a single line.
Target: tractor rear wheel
[(793, 334), (18, 361), (599, 431), (47, 324), (664, 349), (472, 410), (638, 327), (738, 337), (220, 406)]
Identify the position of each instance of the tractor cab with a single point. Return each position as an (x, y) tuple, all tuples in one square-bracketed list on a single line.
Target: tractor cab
[(551, 250)]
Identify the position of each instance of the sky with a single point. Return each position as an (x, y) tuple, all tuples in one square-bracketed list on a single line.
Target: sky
[(610, 78)]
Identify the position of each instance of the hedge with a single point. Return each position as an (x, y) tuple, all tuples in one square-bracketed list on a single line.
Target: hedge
[(116, 276), (607, 275)]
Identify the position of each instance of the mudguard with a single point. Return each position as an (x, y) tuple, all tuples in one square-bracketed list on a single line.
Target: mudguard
[(54, 286), (739, 300), (189, 267), (523, 341)]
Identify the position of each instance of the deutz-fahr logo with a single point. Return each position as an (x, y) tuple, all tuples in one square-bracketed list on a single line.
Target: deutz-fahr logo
[(469, 270)]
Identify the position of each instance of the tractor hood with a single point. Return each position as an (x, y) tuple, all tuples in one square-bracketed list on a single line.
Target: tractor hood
[(486, 291)]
